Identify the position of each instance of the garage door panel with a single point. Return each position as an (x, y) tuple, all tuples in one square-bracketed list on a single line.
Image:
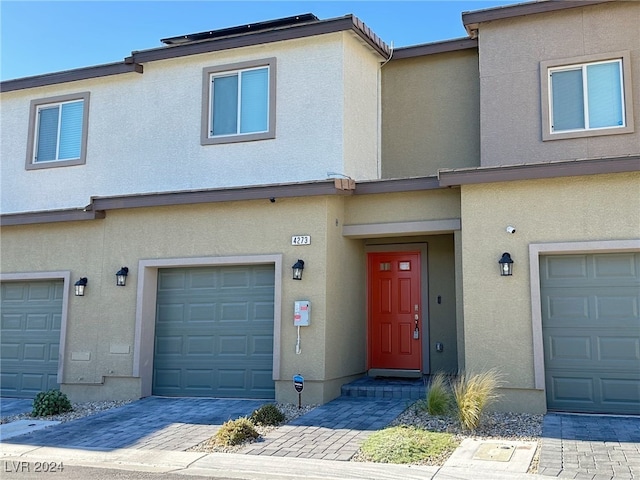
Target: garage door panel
[(621, 391), (30, 322), (201, 345), (591, 332), (617, 308), (234, 312), (615, 349), (226, 326), (262, 345), (621, 265), (232, 345)]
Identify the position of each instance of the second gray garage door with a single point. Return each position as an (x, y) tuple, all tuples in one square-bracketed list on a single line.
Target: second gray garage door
[(591, 330), (214, 332)]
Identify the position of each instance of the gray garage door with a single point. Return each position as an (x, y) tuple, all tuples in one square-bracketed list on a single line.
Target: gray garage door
[(591, 329), (30, 333), (214, 332)]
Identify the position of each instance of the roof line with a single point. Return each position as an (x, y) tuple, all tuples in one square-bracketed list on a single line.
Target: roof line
[(71, 75), (533, 171), (348, 22), (445, 179), (471, 20), (457, 44)]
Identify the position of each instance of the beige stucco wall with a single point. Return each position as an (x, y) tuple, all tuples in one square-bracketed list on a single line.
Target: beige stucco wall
[(510, 54), (497, 310), (361, 97), (438, 204), (105, 317), (430, 114)]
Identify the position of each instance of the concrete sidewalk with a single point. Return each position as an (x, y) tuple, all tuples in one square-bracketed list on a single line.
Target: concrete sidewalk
[(239, 466)]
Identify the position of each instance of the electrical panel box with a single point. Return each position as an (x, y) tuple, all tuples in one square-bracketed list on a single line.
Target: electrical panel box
[(301, 313)]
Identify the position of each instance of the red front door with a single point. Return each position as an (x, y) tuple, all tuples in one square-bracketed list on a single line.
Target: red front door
[(395, 310)]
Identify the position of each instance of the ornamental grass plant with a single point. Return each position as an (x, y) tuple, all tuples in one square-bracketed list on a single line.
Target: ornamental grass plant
[(473, 393)]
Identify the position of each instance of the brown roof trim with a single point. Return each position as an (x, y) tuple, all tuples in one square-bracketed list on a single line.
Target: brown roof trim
[(397, 185), (471, 20), (70, 76), (31, 218), (260, 192), (436, 47), (348, 22), (572, 168)]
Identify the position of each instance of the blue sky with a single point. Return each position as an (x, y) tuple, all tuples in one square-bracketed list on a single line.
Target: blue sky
[(40, 37)]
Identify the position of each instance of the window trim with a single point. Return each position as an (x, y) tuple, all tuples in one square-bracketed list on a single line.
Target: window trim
[(207, 72), (31, 164), (627, 89)]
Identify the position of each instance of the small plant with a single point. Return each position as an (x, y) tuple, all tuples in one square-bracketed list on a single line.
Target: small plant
[(439, 398), (235, 432), (267, 414), (473, 392), (51, 402), (407, 444)]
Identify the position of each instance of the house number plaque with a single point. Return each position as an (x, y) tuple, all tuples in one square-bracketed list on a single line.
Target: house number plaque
[(301, 240)]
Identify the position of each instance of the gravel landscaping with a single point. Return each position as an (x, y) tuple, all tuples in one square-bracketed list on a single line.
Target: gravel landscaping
[(494, 426)]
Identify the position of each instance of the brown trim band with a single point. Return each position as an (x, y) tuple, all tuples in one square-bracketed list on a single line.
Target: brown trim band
[(49, 217), (397, 185), (451, 178), (436, 47), (70, 76), (261, 192), (540, 170)]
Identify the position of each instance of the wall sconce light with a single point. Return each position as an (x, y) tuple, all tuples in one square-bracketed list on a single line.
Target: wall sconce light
[(297, 270), (506, 265), (121, 276), (80, 284)]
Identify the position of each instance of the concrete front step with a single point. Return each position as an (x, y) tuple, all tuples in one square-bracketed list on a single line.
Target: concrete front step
[(386, 387)]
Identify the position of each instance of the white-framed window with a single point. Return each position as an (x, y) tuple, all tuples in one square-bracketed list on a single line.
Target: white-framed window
[(587, 96), (239, 102), (58, 131)]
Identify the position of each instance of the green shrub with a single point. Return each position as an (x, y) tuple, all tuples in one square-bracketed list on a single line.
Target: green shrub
[(51, 402), (235, 432), (267, 414), (439, 398), (407, 444), (473, 392)]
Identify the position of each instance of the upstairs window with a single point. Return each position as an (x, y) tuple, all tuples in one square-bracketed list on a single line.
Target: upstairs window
[(58, 131), (586, 98), (239, 102)]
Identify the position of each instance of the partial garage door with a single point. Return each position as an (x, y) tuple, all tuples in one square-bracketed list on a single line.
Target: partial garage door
[(30, 337), (591, 329), (214, 332)]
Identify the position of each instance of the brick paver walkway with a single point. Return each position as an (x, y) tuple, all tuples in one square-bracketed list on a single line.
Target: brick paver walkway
[(590, 447), (333, 431)]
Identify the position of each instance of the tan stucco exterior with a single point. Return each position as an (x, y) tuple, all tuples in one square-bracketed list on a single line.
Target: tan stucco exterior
[(497, 310), (430, 114), (511, 52)]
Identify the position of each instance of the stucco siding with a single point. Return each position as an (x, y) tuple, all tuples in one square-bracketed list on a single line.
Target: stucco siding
[(101, 336), (403, 207), (430, 114), (497, 310), (510, 54), (361, 104), (144, 129)]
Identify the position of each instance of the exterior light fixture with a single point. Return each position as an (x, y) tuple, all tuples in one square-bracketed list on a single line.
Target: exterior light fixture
[(80, 284), (121, 276), (506, 265), (297, 270)]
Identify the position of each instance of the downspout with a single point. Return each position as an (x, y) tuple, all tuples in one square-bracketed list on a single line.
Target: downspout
[(379, 142)]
